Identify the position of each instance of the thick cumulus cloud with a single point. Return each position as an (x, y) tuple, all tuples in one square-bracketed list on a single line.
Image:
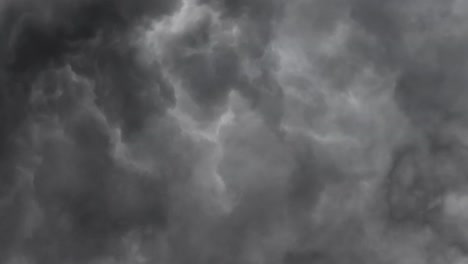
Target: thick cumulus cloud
[(233, 131)]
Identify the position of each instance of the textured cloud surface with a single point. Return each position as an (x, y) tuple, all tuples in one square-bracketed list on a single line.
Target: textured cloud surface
[(233, 131)]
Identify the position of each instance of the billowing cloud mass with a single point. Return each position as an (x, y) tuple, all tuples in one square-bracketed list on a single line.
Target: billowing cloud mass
[(233, 131)]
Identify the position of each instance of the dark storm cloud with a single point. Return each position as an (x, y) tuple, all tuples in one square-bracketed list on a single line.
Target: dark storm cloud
[(212, 131), (418, 46), (210, 63), (425, 42), (88, 199), (38, 32), (69, 74)]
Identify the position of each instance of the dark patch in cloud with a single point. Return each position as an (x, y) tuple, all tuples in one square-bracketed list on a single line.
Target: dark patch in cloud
[(66, 66)]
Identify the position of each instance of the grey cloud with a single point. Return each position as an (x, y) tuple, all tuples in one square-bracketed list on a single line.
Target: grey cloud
[(209, 131)]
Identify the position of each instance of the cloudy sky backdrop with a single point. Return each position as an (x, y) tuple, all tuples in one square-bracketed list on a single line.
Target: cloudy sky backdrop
[(233, 131)]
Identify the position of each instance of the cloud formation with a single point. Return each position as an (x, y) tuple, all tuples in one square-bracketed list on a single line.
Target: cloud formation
[(215, 131)]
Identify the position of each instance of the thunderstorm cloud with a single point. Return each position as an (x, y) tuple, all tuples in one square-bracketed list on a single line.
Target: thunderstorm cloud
[(233, 131)]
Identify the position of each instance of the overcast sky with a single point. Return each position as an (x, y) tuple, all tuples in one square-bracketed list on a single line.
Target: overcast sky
[(233, 131)]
